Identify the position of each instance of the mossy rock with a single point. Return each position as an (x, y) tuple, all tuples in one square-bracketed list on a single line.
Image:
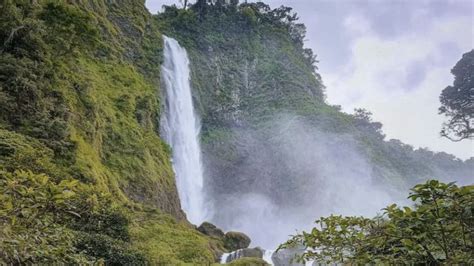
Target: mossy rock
[(236, 240), (210, 230), (252, 252)]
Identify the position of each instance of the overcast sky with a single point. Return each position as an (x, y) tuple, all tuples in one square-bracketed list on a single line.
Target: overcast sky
[(391, 57)]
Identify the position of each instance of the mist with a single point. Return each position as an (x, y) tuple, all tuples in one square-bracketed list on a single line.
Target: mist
[(289, 178)]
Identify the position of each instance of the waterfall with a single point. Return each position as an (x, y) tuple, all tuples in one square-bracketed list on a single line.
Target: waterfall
[(267, 256), (234, 255), (228, 257), (224, 258), (180, 129)]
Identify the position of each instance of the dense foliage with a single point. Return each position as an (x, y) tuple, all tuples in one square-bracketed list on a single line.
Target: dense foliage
[(41, 221), (29, 101), (458, 101), (438, 229)]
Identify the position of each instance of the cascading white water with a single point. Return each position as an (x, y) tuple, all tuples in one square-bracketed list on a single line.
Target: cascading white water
[(180, 128), (228, 257), (224, 258), (267, 256)]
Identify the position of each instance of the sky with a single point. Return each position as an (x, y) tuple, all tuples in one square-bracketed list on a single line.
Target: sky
[(391, 57)]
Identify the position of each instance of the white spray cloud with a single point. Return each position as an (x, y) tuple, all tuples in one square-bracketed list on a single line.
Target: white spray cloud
[(309, 174)]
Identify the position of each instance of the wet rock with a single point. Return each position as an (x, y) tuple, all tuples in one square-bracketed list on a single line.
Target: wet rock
[(210, 230), (287, 257), (236, 240), (245, 253), (252, 252)]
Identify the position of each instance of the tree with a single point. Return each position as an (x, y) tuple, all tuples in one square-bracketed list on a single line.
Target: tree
[(438, 229), (363, 119), (457, 101), (185, 3), (200, 7)]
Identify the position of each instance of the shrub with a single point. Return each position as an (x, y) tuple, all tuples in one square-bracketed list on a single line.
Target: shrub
[(44, 221), (31, 207), (437, 230)]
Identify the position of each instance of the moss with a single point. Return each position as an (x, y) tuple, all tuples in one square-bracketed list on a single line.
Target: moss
[(114, 141), (236, 240), (165, 241), (19, 152)]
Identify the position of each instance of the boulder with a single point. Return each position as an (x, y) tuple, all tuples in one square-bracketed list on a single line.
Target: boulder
[(210, 230), (252, 252), (287, 257), (236, 240)]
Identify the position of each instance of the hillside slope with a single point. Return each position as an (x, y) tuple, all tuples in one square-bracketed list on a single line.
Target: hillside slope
[(84, 173)]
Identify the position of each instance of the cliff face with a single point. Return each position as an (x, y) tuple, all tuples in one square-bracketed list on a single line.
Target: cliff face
[(79, 100)]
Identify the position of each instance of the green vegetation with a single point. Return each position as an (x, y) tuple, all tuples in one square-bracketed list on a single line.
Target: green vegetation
[(44, 221), (244, 69), (166, 241), (438, 229), (84, 175)]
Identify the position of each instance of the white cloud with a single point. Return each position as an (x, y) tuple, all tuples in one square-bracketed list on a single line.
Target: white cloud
[(357, 24), (378, 77)]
